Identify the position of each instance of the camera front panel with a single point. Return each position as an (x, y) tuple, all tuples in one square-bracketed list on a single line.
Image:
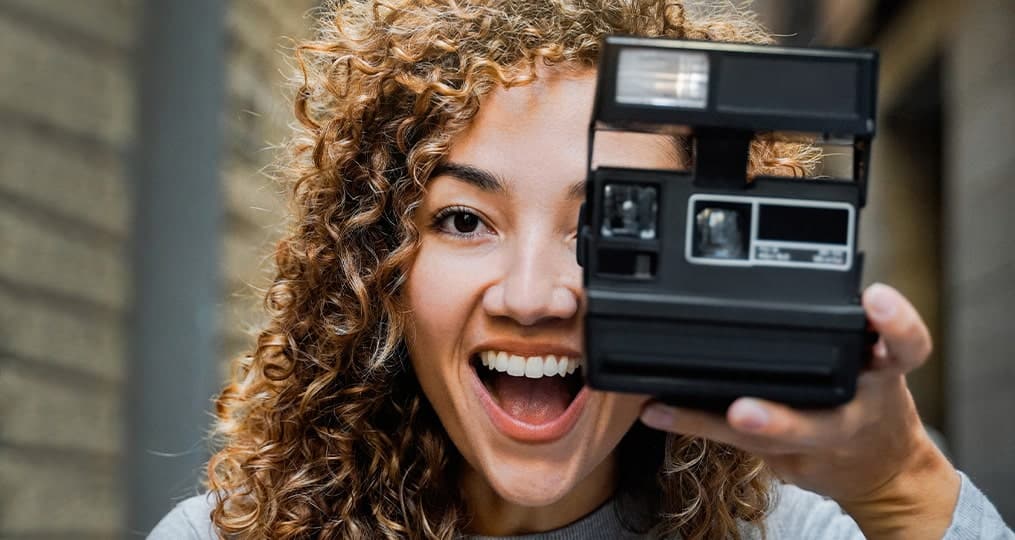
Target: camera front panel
[(706, 285), (777, 240), (701, 295)]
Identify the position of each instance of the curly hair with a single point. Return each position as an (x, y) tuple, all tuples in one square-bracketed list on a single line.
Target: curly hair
[(324, 430)]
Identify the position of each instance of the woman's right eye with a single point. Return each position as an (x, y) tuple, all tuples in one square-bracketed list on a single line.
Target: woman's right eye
[(459, 222)]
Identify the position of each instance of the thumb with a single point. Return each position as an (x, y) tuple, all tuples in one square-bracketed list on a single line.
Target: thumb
[(905, 341)]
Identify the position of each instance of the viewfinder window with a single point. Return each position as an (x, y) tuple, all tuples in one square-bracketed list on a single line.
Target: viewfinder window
[(629, 211)]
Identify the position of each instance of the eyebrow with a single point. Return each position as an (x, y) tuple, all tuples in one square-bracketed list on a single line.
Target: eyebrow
[(481, 178), (577, 190), (491, 182)]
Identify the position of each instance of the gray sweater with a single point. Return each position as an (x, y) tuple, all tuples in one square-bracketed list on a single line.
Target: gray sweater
[(797, 515)]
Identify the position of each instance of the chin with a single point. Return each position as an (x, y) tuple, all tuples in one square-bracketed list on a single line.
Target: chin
[(574, 467), (531, 485)]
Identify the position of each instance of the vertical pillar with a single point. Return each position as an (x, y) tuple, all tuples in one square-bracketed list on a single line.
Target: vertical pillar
[(176, 234)]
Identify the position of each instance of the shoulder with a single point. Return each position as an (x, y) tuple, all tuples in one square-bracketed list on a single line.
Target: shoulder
[(798, 513), (190, 520), (975, 516)]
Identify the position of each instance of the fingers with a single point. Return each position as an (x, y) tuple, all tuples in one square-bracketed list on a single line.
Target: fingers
[(795, 428), (906, 341), (761, 426), (710, 426), (689, 422), (768, 419)]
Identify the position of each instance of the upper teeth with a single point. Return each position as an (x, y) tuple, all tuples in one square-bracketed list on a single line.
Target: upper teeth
[(533, 367)]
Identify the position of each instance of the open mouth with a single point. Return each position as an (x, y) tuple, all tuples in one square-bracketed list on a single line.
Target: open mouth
[(534, 390)]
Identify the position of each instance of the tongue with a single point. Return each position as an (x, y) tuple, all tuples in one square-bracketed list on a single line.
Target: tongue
[(533, 401)]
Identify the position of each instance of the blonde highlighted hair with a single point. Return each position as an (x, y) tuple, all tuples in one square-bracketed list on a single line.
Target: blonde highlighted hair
[(324, 430)]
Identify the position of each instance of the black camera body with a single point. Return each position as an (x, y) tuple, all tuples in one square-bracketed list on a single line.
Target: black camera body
[(705, 285)]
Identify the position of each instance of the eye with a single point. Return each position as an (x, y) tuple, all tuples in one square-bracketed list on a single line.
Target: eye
[(458, 221)]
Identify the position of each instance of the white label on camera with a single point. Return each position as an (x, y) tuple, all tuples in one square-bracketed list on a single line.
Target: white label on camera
[(774, 252)]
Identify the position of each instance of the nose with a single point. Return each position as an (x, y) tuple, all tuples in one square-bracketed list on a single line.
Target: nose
[(540, 282)]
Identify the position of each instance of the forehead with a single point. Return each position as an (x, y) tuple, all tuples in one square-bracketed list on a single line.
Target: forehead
[(542, 129)]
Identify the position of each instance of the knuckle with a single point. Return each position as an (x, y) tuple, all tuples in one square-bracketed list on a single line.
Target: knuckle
[(847, 424), (692, 424), (928, 344)]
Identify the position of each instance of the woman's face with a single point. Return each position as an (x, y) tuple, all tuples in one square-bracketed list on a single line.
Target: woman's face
[(496, 282)]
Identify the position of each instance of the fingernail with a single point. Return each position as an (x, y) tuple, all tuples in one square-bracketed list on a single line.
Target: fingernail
[(881, 301), (658, 416), (749, 414), (880, 349)]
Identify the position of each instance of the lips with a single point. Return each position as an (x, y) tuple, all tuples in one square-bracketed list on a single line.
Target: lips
[(524, 405)]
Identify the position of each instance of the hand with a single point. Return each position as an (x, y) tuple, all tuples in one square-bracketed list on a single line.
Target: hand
[(872, 455)]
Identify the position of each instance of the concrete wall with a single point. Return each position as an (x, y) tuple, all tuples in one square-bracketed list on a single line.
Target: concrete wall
[(980, 262), (67, 119), (259, 111), (65, 124)]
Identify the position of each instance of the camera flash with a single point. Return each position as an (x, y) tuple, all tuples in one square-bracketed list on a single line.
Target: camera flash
[(662, 78), (629, 211)]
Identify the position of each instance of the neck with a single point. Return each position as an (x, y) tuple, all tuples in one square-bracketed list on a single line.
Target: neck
[(492, 515)]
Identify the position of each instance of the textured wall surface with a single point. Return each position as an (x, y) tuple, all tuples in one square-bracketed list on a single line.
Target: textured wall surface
[(67, 115), (261, 33), (66, 102), (980, 262)]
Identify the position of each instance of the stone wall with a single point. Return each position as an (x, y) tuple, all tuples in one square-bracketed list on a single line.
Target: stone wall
[(261, 32), (66, 120), (66, 123)]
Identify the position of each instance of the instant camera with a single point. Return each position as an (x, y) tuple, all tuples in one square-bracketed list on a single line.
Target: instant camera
[(706, 284)]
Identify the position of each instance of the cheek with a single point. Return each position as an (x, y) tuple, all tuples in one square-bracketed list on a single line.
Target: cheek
[(444, 292), (441, 293)]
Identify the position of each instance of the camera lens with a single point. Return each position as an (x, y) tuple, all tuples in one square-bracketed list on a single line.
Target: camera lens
[(719, 232), (629, 211)]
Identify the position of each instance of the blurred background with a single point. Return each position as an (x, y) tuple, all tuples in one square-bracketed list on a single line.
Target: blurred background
[(136, 224)]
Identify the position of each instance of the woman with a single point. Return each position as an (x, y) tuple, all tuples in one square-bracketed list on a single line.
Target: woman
[(420, 377)]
